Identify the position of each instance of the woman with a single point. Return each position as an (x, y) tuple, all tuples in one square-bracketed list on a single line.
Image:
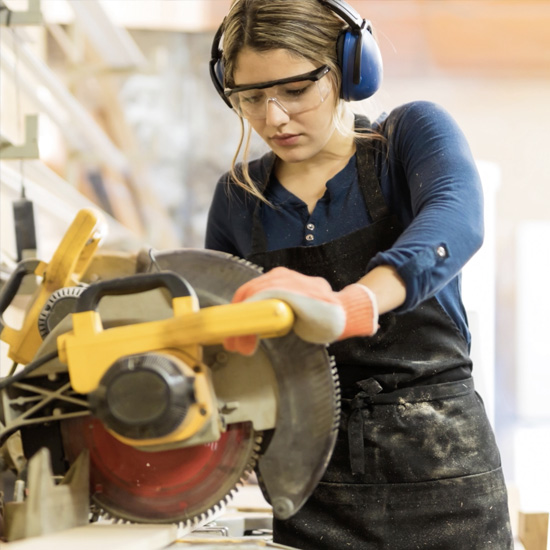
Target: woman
[(363, 229)]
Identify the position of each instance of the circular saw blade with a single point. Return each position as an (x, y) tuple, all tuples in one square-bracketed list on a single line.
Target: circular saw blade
[(189, 483), (184, 485)]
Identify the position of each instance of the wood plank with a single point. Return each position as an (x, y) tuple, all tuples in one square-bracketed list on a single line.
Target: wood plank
[(533, 530), (107, 536)]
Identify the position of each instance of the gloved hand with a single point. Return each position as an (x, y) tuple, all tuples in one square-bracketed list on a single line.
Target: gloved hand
[(322, 315)]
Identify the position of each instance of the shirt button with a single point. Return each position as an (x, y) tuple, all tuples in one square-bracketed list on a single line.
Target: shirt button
[(309, 237), (310, 226), (441, 251)]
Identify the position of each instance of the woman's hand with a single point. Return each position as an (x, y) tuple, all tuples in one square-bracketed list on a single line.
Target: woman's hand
[(322, 315)]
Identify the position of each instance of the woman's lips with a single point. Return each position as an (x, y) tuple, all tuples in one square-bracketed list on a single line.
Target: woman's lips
[(285, 140)]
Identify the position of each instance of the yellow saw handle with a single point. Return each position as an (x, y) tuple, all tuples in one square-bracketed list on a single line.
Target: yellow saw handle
[(89, 349), (66, 267)]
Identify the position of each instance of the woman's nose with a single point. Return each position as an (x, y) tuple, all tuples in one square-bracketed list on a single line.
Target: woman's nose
[(275, 113)]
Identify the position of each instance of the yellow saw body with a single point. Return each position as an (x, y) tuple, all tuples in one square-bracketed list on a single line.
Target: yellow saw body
[(122, 358)]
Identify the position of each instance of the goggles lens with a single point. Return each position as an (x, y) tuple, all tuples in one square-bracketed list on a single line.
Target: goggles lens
[(293, 95)]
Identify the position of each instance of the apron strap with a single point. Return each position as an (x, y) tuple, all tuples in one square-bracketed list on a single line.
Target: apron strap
[(363, 399), (259, 239), (368, 179)]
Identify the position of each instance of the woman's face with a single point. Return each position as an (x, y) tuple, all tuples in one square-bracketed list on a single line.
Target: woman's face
[(292, 137)]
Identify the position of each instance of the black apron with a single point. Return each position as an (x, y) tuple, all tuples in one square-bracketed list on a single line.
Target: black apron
[(415, 464)]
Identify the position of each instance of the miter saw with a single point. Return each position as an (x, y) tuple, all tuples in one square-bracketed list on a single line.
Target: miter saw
[(121, 359)]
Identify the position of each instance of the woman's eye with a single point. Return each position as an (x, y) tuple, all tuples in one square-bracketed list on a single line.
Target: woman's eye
[(296, 92), (253, 98)]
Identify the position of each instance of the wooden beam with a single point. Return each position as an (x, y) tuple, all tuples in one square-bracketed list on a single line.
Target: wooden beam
[(31, 16), (28, 149)]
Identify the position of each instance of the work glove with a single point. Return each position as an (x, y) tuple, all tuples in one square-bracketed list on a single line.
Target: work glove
[(322, 315)]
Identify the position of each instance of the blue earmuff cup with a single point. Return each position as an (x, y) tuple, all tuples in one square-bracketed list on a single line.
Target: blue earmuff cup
[(370, 68)]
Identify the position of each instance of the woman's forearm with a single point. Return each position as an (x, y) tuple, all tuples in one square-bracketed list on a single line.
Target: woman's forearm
[(387, 286)]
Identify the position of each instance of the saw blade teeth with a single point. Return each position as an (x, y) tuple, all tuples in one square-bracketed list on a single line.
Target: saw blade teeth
[(186, 525), (248, 263), (337, 393), (257, 448), (204, 517)]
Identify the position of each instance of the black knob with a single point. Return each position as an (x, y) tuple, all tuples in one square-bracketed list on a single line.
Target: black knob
[(61, 303), (143, 396)]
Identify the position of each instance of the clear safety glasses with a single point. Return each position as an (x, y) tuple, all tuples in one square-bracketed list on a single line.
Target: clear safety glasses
[(293, 95)]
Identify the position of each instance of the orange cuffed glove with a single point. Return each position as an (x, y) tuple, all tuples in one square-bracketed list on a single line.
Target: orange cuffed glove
[(322, 315)]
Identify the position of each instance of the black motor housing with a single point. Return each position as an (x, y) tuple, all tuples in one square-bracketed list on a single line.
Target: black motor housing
[(144, 396)]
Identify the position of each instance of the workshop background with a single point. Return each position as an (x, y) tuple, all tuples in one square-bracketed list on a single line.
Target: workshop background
[(109, 103)]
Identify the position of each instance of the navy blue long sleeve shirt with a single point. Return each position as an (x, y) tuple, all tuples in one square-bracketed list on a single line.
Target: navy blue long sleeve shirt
[(428, 179)]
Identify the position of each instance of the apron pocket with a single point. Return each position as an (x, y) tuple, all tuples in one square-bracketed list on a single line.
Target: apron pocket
[(416, 439), (469, 512)]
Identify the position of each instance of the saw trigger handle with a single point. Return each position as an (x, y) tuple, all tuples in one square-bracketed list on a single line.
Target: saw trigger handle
[(75, 251), (66, 267), (134, 284)]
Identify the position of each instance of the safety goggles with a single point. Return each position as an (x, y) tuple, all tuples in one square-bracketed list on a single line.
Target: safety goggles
[(294, 95)]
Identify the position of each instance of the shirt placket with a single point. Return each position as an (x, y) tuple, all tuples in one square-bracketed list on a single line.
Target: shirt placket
[(311, 228), (310, 233)]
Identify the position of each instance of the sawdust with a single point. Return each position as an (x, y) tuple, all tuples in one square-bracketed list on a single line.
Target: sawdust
[(424, 412)]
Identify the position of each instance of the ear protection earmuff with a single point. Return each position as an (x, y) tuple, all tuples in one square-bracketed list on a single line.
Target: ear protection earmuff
[(358, 56)]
